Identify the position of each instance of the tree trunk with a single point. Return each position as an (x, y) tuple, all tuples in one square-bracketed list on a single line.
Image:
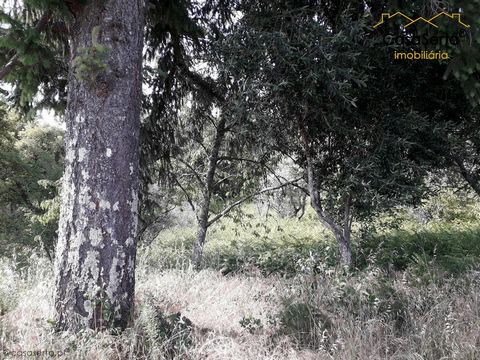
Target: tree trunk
[(204, 212), (343, 241), (467, 175), (343, 238), (341, 235), (95, 255), (198, 246)]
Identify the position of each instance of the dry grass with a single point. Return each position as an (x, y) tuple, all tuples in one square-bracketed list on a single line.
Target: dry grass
[(365, 316)]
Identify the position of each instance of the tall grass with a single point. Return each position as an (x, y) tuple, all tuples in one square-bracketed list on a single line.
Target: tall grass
[(414, 294), (182, 314)]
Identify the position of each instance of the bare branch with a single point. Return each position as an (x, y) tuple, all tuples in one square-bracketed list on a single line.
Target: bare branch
[(248, 197), (224, 179), (195, 172), (187, 195)]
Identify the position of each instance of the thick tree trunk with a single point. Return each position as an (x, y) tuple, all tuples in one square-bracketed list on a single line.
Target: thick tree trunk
[(95, 255), (204, 210)]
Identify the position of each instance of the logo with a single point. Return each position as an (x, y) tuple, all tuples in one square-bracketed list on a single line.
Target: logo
[(455, 17), (424, 38)]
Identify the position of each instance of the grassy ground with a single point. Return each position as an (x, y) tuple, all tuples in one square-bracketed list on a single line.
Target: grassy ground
[(414, 295)]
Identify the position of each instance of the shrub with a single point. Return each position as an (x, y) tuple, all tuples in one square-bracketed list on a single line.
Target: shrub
[(453, 250)]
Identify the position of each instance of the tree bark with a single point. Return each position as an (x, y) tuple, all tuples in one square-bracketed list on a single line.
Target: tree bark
[(467, 175), (204, 211), (344, 249), (198, 246), (95, 255)]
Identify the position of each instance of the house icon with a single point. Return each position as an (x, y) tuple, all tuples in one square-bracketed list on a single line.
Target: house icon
[(387, 17), (457, 17)]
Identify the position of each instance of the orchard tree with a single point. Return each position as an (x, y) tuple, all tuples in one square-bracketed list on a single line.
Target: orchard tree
[(218, 163), (322, 102), (213, 156)]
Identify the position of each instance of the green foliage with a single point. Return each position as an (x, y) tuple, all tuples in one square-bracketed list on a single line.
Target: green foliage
[(58, 6), (104, 309), (272, 245), (332, 83), (276, 246), (307, 325), (452, 248), (464, 66), (40, 56), (92, 61), (32, 161), (174, 331), (251, 324), (442, 233), (33, 56), (395, 241)]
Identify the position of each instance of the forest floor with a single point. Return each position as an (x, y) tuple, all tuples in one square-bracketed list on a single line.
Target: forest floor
[(417, 296)]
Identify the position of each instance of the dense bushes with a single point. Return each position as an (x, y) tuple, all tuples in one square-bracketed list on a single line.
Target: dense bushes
[(449, 241), (452, 249)]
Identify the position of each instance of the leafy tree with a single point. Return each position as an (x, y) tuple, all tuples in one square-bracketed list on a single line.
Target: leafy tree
[(445, 93), (315, 83), (31, 165), (213, 156)]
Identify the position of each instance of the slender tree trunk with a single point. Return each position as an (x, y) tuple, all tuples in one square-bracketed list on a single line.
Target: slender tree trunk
[(467, 175), (198, 246), (204, 210), (95, 255), (343, 241), (342, 235)]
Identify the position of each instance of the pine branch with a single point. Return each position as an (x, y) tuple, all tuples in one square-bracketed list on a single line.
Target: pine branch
[(205, 85), (10, 65)]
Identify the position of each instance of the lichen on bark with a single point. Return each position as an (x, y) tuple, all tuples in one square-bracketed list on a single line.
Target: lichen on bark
[(95, 254)]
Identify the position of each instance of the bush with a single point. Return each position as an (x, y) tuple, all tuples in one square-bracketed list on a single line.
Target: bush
[(174, 332), (452, 249), (305, 323)]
